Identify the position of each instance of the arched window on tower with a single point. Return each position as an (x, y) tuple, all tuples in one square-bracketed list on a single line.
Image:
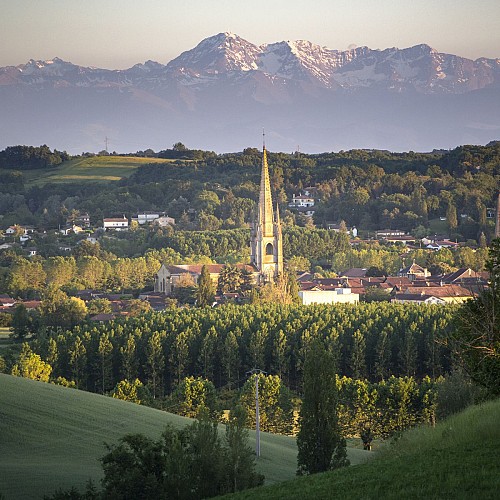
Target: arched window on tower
[(269, 249)]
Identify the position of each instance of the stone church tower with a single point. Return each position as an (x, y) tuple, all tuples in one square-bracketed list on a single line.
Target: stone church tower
[(266, 246)]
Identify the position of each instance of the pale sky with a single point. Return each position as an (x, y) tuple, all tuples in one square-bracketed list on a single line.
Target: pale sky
[(117, 34)]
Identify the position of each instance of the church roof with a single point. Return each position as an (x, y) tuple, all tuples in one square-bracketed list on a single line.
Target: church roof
[(196, 268)]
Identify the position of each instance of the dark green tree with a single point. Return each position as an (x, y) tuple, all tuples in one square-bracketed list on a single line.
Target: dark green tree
[(476, 338), (105, 350), (240, 460), (358, 355), (78, 360), (21, 322), (155, 361), (320, 443), (230, 279), (205, 292)]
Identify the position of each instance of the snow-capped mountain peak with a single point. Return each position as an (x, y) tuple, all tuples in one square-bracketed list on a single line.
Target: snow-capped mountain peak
[(226, 56), (218, 54)]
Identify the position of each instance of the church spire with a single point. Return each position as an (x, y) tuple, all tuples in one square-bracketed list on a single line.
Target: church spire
[(266, 247), (265, 214)]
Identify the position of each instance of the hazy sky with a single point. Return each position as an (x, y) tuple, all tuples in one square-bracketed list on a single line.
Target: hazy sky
[(120, 33)]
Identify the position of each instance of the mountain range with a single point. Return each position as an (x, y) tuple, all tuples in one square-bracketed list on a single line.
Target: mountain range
[(220, 94)]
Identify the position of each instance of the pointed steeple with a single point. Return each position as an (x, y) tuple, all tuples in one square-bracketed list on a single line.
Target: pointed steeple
[(265, 214), (266, 248)]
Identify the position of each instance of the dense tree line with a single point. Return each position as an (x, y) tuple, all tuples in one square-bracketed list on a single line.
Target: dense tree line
[(369, 341), (30, 157), (369, 189)]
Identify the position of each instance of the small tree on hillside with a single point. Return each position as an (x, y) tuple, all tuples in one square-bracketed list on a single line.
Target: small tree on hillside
[(320, 443), (31, 365)]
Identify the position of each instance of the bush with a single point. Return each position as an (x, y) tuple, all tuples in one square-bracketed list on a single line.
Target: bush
[(5, 319), (455, 393)]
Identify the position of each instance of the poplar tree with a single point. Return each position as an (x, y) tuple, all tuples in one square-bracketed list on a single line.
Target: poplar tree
[(231, 358), (105, 354), (319, 441), (155, 362)]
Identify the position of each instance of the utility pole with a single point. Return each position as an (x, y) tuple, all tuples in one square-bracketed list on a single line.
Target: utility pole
[(257, 372)]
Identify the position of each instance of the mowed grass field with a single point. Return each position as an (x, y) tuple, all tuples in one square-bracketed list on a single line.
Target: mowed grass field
[(94, 169), (458, 459), (5, 339), (52, 437)]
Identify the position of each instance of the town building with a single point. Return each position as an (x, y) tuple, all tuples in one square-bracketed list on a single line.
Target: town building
[(316, 293), (301, 200), (164, 221), (445, 294), (414, 272), (117, 223)]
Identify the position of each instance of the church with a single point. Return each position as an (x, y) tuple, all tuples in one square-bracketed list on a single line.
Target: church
[(266, 246)]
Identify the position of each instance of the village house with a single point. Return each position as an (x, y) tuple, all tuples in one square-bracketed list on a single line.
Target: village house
[(164, 221), (82, 220), (337, 228), (71, 229), (159, 218), (445, 294), (116, 223), (414, 272), (7, 301), (318, 293), (384, 234), (301, 200), (145, 217)]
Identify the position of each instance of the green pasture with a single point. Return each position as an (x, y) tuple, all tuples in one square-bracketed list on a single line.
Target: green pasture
[(5, 339), (456, 459), (93, 169), (438, 226), (52, 437)]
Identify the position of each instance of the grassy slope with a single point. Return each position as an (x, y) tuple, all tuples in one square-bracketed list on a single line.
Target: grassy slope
[(439, 226), (52, 437), (457, 459), (94, 169), (5, 339)]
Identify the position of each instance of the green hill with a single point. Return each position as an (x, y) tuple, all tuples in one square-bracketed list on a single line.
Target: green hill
[(91, 169), (52, 437), (459, 458)]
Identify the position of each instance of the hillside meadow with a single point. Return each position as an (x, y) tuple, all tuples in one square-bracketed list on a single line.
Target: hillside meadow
[(89, 169), (456, 459), (52, 437)]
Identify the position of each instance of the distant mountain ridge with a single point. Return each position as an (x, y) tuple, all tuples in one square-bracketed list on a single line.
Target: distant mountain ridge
[(420, 67), (235, 84)]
